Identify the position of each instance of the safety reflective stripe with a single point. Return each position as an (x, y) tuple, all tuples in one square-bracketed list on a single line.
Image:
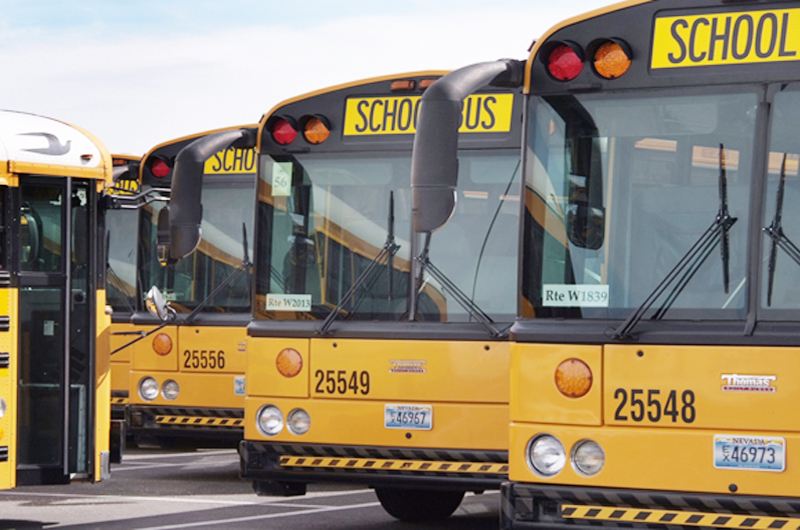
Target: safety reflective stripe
[(676, 517), (198, 420), (378, 464), (119, 401)]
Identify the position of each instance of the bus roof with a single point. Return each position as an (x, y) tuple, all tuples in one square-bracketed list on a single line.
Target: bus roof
[(44, 146)]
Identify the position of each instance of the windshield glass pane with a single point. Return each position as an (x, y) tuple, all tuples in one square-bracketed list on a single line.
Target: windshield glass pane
[(121, 272), (323, 220), (227, 207), (780, 263), (620, 188)]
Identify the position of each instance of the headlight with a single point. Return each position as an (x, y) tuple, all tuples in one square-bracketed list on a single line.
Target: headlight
[(588, 457), (298, 421), (2, 407), (148, 388), (546, 455), (170, 389), (269, 420)]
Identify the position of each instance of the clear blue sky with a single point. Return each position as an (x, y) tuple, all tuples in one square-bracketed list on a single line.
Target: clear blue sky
[(140, 72)]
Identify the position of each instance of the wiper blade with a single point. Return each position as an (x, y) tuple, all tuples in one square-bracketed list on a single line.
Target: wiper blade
[(463, 300), (388, 251), (682, 273), (775, 232), (245, 265)]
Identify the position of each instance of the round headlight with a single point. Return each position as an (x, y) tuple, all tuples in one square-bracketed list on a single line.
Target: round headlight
[(2, 407), (148, 388), (298, 421), (170, 389), (588, 457), (546, 455), (269, 420)]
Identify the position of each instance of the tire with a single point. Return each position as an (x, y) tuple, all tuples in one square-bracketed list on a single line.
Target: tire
[(419, 506)]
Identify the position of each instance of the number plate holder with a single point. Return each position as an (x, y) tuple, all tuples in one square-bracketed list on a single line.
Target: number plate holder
[(754, 453), (408, 417)]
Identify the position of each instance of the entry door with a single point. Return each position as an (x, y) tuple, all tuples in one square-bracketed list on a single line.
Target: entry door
[(55, 329)]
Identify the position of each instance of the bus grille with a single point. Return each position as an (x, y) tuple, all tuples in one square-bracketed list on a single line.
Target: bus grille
[(4, 454), (5, 359)]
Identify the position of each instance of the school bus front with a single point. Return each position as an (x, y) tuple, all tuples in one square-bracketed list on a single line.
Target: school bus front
[(653, 368), (341, 384), (187, 378)]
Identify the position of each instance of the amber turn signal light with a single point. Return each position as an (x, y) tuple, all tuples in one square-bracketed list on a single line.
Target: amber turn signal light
[(573, 378), (162, 344), (289, 362)]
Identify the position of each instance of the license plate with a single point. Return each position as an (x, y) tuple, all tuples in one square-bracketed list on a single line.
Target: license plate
[(758, 453), (397, 416)]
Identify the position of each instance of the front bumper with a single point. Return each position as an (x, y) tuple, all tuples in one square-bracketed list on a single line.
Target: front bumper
[(529, 506), (373, 466), (179, 422)]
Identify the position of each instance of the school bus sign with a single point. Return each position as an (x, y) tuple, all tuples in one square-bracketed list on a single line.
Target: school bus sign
[(481, 113), (726, 39)]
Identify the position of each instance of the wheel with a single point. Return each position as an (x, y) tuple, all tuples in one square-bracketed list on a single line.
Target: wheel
[(419, 505)]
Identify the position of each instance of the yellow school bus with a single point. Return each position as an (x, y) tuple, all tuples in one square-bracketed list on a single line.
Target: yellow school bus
[(54, 326), (651, 368), (186, 379), (375, 357), (121, 226)]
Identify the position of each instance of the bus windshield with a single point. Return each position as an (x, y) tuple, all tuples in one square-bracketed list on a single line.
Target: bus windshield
[(779, 265), (327, 217), (121, 270), (621, 187), (221, 250)]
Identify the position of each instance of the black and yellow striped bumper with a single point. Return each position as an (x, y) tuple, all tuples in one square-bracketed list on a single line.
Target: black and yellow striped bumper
[(527, 506), (187, 422), (373, 465)]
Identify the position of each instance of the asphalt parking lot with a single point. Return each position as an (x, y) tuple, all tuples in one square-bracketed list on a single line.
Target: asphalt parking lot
[(158, 490)]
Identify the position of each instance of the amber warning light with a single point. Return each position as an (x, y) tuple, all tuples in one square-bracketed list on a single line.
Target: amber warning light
[(612, 60), (289, 362), (573, 378)]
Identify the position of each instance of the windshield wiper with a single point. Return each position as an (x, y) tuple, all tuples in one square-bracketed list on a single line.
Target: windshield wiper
[(425, 265), (775, 232), (388, 251), (690, 263), (245, 265), (489, 229)]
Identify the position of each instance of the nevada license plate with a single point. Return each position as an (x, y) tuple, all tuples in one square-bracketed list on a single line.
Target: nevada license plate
[(398, 416), (759, 453)]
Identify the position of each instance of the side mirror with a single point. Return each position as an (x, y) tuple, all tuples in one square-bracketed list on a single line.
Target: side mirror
[(157, 306), (163, 239)]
